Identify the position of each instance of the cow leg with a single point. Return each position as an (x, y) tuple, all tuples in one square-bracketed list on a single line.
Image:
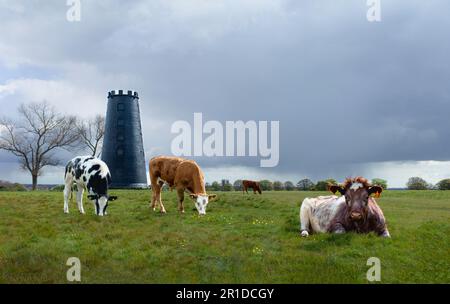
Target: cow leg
[(180, 193), (161, 206), (154, 198), (67, 193), (155, 191), (338, 229), (80, 191), (68, 189), (162, 209), (156, 186), (305, 213)]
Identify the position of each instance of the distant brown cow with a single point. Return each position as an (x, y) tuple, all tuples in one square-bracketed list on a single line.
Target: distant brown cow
[(181, 174), (354, 211), (251, 184)]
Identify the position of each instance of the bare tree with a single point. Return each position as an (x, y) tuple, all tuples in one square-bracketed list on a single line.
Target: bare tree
[(91, 133), (38, 133)]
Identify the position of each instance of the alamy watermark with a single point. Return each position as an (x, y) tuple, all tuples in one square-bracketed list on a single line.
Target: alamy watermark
[(74, 272), (374, 11), (74, 12), (228, 140), (374, 272)]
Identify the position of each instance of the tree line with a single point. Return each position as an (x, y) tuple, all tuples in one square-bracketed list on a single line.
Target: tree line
[(418, 183), (414, 183), (267, 185)]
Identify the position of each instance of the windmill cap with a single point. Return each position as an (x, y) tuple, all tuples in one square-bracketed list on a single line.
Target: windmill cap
[(123, 93)]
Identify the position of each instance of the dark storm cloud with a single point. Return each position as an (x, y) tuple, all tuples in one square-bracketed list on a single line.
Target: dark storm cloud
[(345, 91)]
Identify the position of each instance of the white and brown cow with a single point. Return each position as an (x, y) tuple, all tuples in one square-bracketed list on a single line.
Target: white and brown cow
[(92, 174), (181, 174), (354, 211)]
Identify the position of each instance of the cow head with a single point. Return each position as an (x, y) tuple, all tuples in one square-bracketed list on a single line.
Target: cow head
[(258, 188), (101, 203), (201, 201), (357, 192)]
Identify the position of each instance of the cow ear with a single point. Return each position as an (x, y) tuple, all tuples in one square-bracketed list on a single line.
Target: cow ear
[(92, 197), (336, 188), (212, 196), (112, 198), (193, 196), (375, 189)]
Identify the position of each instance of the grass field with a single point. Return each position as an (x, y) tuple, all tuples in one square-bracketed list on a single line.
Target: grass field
[(242, 239)]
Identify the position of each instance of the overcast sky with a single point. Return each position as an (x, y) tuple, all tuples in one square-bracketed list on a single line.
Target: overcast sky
[(352, 97)]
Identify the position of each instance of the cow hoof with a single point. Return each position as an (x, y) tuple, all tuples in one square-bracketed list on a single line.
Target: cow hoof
[(304, 233), (163, 212)]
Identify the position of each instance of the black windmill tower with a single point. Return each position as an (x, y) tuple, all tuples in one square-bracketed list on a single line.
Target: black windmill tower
[(123, 148)]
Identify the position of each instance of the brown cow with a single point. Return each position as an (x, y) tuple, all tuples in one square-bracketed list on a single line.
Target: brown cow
[(251, 184), (354, 211), (181, 174)]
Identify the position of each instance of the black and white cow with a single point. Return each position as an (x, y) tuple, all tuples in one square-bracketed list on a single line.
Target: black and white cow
[(92, 174)]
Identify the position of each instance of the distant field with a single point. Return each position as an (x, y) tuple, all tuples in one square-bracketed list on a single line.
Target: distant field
[(242, 239)]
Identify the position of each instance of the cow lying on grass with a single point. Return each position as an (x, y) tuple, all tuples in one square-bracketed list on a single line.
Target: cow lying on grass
[(181, 174), (92, 174), (251, 184), (354, 211)]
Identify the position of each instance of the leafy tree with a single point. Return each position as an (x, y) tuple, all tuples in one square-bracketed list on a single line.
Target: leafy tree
[(417, 183), (278, 186), (289, 186), (444, 184), (215, 186), (227, 186), (323, 184), (237, 185), (305, 185), (266, 185), (380, 182)]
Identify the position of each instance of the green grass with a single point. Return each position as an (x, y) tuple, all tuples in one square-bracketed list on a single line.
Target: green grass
[(242, 239)]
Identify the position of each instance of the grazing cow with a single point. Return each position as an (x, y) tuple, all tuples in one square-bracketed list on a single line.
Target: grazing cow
[(354, 211), (92, 174), (251, 184), (181, 174)]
